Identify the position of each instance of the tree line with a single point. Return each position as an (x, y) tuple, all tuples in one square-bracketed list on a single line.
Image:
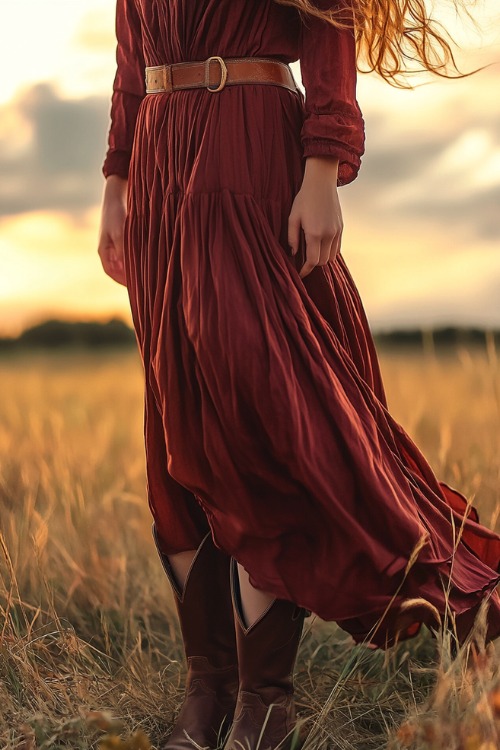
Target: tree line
[(60, 334)]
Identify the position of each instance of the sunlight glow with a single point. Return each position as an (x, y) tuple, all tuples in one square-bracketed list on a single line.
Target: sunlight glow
[(50, 265)]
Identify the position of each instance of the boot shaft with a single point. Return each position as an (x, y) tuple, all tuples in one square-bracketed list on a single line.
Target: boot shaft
[(267, 649), (204, 604)]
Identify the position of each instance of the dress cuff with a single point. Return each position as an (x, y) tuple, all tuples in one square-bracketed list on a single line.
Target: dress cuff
[(349, 163), (124, 111), (335, 134), (116, 162)]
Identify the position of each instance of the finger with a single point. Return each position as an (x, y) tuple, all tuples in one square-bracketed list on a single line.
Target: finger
[(294, 233), (306, 269), (117, 239), (313, 249), (112, 263), (325, 250), (102, 246), (121, 277), (116, 272), (336, 244), (106, 248), (111, 248)]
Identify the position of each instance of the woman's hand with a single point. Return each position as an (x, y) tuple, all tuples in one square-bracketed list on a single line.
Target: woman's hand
[(316, 209), (113, 212)]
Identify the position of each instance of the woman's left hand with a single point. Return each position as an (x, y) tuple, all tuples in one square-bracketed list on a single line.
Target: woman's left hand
[(316, 208)]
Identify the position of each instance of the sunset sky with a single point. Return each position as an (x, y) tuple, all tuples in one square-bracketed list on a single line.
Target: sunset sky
[(422, 220)]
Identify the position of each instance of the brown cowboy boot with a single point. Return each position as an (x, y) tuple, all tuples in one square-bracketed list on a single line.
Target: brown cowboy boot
[(265, 709), (207, 625)]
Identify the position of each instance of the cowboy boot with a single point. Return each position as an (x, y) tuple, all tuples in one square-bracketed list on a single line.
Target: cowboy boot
[(207, 624), (265, 709)]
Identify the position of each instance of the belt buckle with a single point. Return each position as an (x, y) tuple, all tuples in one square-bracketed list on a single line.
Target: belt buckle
[(223, 71)]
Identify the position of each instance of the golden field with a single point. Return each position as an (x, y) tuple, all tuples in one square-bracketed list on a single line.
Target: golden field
[(90, 653)]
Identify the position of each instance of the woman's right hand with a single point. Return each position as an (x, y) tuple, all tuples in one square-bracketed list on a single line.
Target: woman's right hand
[(113, 212)]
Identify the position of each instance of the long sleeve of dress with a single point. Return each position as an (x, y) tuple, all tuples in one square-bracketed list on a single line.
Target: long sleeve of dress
[(128, 89), (333, 125)]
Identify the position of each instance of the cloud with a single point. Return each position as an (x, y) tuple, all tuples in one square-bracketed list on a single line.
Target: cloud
[(443, 173), (478, 212), (58, 167)]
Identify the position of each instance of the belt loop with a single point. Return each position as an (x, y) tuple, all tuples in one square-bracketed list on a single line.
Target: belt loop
[(168, 79), (158, 78), (223, 73)]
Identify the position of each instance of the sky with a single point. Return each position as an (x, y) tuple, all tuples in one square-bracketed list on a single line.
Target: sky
[(421, 221)]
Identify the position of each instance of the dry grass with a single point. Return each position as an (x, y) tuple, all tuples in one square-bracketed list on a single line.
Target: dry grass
[(89, 646)]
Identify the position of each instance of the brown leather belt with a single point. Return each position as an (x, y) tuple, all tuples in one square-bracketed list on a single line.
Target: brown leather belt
[(215, 73)]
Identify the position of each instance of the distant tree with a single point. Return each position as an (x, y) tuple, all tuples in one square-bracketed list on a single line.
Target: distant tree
[(60, 333)]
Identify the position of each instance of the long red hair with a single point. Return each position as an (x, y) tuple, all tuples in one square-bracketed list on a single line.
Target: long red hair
[(390, 32)]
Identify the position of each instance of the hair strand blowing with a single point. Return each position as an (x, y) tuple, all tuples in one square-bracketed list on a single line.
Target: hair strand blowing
[(393, 35)]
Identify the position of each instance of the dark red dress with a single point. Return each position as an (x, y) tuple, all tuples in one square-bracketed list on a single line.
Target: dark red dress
[(265, 414)]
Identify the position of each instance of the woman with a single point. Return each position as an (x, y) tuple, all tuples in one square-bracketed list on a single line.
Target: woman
[(278, 481)]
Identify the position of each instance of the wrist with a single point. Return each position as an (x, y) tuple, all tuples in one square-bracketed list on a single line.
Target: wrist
[(115, 186), (322, 168), (116, 179), (329, 163)]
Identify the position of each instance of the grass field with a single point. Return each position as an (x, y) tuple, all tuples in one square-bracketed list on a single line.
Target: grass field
[(90, 652)]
